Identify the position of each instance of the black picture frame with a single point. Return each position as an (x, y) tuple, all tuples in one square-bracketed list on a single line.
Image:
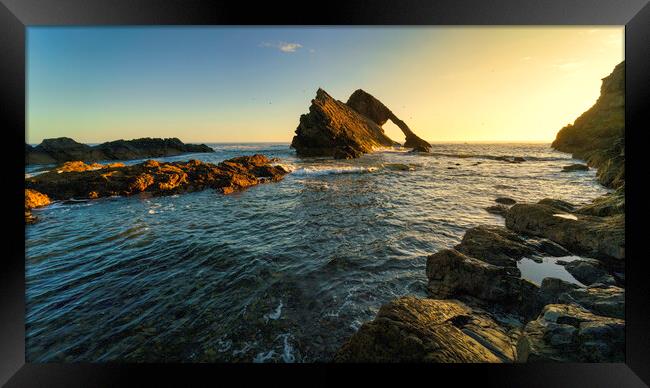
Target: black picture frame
[(16, 15)]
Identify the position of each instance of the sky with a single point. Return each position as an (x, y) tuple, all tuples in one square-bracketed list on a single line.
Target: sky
[(251, 84)]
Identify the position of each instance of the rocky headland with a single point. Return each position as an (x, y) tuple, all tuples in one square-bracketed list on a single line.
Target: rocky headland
[(64, 149), (479, 307), (348, 130), (77, 180)]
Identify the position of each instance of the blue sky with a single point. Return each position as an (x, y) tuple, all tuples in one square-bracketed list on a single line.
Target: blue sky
[(251, 84)]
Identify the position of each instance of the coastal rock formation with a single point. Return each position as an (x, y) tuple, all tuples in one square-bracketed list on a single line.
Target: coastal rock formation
[(409, 329), (608, 301), (34, 199), (64, 149), (598, 237), (575, 167), (499, 246), (332, 128), (598, 135), (375, 110), (568, 333), (452, 274), (588, 271), (157, 178)]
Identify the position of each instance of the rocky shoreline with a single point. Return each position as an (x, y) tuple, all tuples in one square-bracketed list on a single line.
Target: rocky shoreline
[(481, 309), (82, 181), (64, 149)]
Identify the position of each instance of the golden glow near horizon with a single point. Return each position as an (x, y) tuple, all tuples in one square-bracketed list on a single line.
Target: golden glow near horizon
[(449, 84)]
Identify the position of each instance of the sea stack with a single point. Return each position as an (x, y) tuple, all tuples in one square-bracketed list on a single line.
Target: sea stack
[(346, 131)]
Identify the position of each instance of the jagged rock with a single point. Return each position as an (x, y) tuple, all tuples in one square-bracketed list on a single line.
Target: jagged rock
[(598, 135), (505, 201), (558, 204), (608, 301), (34, 199), (64, 149), (606, 205), (599, 237), (568, 333), (452, 274), (376, 111), (575, 167), (552, 289), (502, 247), (157, 178), (428, 330), (332, 128), (589, 272), (495, 245)]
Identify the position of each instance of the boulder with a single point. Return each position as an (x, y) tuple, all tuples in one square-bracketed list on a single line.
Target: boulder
[(589, 272), (157, 178), (598, 237), (569, 333), (452, 274), (608, 301), (409, 329), (34, 199), (499, 210), (552, 289), (495, 245)]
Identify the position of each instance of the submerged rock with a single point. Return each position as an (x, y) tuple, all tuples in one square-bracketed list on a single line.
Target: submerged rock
[(64, 149), (569, 333), (34, 199), (575, 167), (409, 329), (157, 178), (345, 131), (599, 237), (505, 201)]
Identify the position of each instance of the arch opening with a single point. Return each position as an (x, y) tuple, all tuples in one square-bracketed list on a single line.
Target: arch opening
[(391, 130)]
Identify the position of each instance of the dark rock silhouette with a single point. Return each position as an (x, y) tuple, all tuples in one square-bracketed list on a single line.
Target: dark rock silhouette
[(598, 135), (332, 128), (64, 149), (375, 110)]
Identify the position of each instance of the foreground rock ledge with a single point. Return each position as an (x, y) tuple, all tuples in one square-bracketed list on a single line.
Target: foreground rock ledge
[(409, 329), (156, 178)]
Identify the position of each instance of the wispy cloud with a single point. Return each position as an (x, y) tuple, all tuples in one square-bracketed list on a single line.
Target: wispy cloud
[(526, 58), (285, 47)]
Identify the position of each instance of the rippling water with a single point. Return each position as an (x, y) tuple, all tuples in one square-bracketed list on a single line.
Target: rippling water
[(281, 272)]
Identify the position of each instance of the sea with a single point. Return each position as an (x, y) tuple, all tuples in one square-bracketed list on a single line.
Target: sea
[(281, 272)]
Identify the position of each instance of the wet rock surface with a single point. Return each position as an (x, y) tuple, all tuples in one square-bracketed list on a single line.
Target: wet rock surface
[(34, 199), (598, 237), (569, 333), (155, 178), (409, 329), (575, 167), (64, 149)]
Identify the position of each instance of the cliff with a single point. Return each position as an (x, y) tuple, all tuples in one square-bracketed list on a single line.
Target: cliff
[(598, 135)]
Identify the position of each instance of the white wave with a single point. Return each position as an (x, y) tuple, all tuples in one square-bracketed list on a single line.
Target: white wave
[(317, 171), (264, 357), (287, 349), (275, 314)]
